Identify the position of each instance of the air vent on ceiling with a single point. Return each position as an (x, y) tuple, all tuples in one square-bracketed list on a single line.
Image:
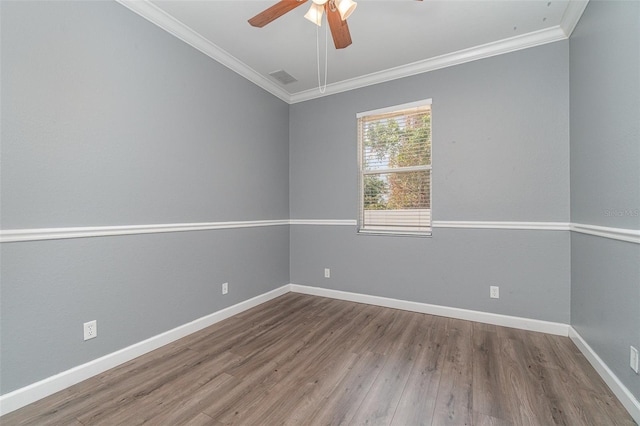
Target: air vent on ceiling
[(283, 77)]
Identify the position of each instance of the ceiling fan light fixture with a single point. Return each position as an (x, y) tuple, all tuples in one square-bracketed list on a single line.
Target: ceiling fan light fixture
[(345, 7), (315, 13), (320, 2)]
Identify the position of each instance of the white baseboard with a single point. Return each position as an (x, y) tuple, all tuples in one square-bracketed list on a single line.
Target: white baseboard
[(444, 311), (35, 391), (617, 387)]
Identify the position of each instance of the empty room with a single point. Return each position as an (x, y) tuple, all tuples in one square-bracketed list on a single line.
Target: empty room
[(310, 213)]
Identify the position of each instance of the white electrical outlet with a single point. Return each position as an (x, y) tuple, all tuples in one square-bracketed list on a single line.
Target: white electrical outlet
[(90, 329), (494, 292), (327, 273), (225, 288), (633, 359)]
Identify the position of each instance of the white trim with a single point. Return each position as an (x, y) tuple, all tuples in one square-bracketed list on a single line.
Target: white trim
[(323, 222), (617, 387), (621, 234), (572, 15), (475, 224), (445, 311), (15, 235), (38, 234), (395, 109), (420, 232), (35, 391), (159, 17), (483, 51)]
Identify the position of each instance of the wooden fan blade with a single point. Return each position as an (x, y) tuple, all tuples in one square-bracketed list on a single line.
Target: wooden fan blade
[(274, 12), (339, 28)]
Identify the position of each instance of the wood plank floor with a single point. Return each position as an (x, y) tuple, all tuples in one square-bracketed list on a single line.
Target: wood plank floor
[(306, 360)]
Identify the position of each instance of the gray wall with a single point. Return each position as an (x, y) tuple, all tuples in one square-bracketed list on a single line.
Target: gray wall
[(500, 153), (605, 181), (109, 120)]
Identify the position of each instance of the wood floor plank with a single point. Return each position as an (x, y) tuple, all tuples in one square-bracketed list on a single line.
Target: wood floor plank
[(400, 347), (576, 367), (374, 331), (543, 375), (580, 385), (254, 327), (53, 410), (489, 397), (202, 399), (324, 373), (183, 407), (300, 338), (525, 391), (163, 402), (417, 404), (117, 397), (360, 327), (307, 360), (141, 364), (340, 406), (480, 419), (314, 352), (200, 420), (318, 389), (454, 403), (290, 395)]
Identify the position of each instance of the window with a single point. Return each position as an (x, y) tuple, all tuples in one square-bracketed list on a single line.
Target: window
[(394, 156)]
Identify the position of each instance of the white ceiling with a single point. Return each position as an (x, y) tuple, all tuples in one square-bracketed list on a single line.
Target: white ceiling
[(391, 39)]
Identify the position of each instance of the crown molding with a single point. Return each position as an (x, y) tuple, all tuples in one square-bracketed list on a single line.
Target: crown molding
[(572, 15), (159, 17), (483, 51)]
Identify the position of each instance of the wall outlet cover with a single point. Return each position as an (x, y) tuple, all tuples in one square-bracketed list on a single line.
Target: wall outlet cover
[(225, 288), (494, 292), (327, 273), (633, 359), (90, 329)]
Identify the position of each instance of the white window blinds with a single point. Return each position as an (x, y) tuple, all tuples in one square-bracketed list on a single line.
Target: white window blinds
[(394, 146)]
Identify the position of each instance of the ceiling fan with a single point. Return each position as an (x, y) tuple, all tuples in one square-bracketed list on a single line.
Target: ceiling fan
[(337, 13)]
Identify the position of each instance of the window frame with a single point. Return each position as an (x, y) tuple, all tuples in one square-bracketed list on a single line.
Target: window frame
[(361, 229)]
